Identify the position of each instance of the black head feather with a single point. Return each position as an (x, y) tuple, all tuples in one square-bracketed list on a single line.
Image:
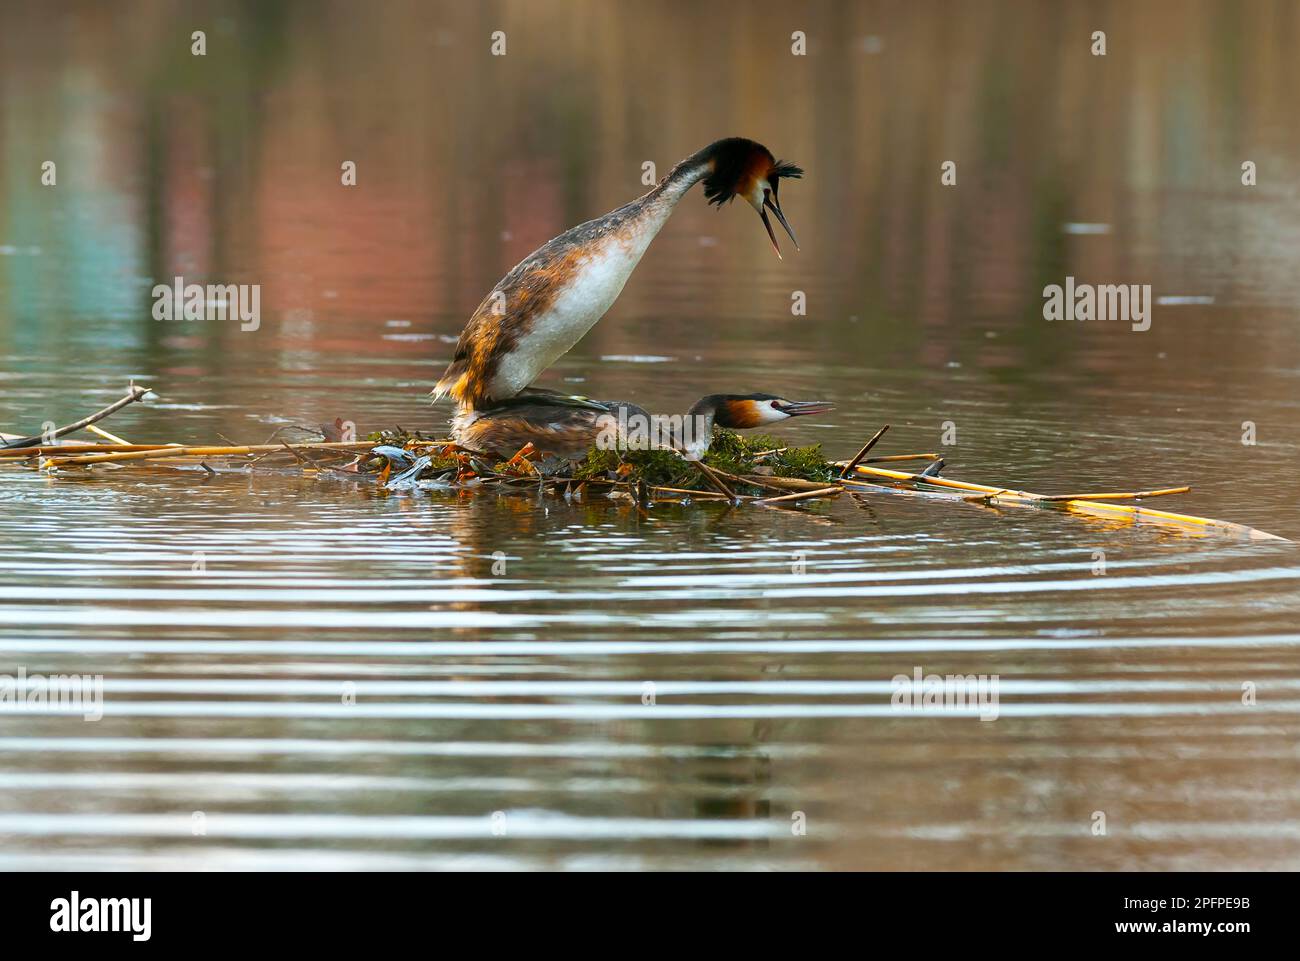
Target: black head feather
[(736, 161)]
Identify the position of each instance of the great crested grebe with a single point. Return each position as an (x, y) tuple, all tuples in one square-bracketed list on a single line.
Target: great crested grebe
[(564, 428), (543, 306)]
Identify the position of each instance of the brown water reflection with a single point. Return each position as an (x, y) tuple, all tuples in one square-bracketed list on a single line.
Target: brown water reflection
[(1121, 693)]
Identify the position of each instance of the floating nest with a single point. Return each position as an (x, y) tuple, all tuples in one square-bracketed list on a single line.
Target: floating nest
[(737, 468)]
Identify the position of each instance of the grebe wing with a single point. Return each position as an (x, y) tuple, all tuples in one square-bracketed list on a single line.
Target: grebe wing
[(541, 396)]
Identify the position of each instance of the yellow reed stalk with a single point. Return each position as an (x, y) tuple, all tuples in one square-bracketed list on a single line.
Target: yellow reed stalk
[(70, 449), (898, 457), (111, 438), (157, 452), (1114, 497), (1100, 508)]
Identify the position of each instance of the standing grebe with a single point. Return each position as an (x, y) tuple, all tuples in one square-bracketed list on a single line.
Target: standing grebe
[(554, 295), (564, 428)]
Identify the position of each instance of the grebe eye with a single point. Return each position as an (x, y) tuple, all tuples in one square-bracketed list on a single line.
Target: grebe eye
[(772, 404)]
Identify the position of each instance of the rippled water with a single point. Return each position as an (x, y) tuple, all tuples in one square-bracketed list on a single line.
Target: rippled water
[(337, 677)]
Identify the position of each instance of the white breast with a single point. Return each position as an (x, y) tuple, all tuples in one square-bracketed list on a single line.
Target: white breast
[(461, 420), (596, 283), (698, 447)]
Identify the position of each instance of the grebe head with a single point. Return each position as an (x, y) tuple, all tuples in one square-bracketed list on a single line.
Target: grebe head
[(745, 168), (741, 411)]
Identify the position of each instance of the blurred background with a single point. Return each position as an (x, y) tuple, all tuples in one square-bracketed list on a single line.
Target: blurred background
[(924, 307), (227, 168)]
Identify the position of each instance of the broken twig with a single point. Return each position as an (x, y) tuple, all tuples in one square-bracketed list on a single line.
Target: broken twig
[(866, 449), (134, 394), (801, 496)]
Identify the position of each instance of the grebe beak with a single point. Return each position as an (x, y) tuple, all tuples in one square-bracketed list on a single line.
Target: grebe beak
[(797, 408), (770, 203)]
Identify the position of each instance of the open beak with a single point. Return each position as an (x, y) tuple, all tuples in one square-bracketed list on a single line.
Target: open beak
[(797, 408), (774, 205), (771, 236)]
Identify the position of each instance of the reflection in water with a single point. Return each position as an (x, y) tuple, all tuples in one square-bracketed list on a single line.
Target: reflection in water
[(348, 682)]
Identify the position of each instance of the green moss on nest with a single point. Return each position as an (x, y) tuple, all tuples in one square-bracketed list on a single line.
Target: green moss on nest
[(730, 452), (806, 463), (439, 461), (658, 468), (597, 463), (397, 437), (737, 454)]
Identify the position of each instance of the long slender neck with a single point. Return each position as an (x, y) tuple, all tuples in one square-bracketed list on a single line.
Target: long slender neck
[(647, 215), (706, 408), (685, 175), (658, 203), (698, 428)]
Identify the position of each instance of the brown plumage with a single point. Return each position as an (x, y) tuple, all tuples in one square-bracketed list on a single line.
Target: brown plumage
[(565, 428), (494, 330), (559, 428), (741, 413), (554, 295)]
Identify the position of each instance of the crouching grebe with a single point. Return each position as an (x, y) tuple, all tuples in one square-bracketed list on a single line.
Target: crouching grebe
[(564, 428), (543, 306)]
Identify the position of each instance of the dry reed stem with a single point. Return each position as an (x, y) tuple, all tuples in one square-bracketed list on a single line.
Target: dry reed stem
[(900, 457), (154, 452), (863, 453), (133, 394), (1115, 497), (801, 496)]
